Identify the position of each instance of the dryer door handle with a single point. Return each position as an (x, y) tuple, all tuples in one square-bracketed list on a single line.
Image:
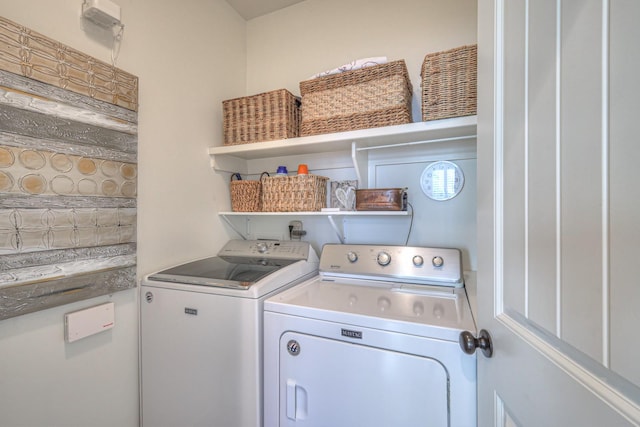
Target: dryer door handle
[(291, 399), (296, 401)]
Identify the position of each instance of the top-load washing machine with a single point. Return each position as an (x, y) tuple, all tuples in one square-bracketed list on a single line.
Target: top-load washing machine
[(372, 341), (201, 333)]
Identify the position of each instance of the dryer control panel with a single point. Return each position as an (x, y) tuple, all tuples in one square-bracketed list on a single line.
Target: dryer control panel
[(410, 264)]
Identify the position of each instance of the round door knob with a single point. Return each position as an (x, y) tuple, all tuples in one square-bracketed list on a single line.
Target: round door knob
[(384, 258), (469, 343)]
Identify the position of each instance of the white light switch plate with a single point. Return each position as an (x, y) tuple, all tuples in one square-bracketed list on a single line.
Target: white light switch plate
[(89, 321)]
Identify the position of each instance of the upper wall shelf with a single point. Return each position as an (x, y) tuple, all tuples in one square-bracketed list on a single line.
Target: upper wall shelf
[(233, 158)]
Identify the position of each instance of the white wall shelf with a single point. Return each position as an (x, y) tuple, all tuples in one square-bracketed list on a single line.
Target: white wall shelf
[(327, 214), (357, 143), (237, 158)]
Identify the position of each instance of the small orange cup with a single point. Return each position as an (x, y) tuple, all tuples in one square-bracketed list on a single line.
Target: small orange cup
[(303, 169)]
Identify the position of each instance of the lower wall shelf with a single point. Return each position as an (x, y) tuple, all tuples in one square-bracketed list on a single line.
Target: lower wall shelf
[(320, 213), (327, 214)]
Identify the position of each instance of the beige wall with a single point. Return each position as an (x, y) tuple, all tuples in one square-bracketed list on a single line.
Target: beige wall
[(293, 44), (289, 46), (189, 56)]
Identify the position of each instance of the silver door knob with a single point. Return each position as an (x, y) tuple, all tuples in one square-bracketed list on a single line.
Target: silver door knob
[(469, 343)]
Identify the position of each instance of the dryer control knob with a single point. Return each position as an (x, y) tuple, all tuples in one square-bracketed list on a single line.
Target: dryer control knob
[(437, 261), (383, 258), (352, 256), (262, 247), (418, 261)]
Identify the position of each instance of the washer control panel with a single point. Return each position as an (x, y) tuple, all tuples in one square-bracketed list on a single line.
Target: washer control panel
[(267, 249), (412, 264)]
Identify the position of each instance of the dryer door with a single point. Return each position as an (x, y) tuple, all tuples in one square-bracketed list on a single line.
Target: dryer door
[(325, 382)]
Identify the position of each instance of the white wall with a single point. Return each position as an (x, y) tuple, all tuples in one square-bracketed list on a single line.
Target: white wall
[(189, 56), (289, 46)]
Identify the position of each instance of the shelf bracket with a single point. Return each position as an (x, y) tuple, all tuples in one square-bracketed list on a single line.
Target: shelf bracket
[(335, 227), (360, 161), (226, 163), (233, 227)]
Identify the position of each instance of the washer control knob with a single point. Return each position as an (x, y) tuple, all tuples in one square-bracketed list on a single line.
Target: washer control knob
[(352, 256), (437, 261), (262, 247), (383, 258), (418, 260)]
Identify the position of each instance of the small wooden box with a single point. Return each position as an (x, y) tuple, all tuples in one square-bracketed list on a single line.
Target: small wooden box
[(381, 199)]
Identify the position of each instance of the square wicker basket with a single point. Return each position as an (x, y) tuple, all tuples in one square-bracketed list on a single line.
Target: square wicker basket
[(246, 195), (370, 97), (449, 83), (263, 117), (296, 193)]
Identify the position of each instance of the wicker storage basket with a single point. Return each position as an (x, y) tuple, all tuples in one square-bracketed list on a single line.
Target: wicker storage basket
[(374, 96), (297, 193), (246, 196), (263, 117), (449, 83)]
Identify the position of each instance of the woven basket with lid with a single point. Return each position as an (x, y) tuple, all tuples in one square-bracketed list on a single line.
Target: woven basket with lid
[(370, 97)]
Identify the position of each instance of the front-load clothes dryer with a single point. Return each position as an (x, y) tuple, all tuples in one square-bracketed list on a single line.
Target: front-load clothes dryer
[(201, 333), (372, 341)]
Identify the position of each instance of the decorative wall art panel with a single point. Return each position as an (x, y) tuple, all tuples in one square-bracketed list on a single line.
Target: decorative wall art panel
[(30, 54), (68, 174)]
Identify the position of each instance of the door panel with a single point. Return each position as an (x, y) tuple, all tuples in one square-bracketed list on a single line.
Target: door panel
[(514, 155), (336, 383), (554, 165), (624, 191), (580, 145), (541, 182)]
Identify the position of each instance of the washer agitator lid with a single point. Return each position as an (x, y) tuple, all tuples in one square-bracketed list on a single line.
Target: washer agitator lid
[(239, 264), (217, 271)]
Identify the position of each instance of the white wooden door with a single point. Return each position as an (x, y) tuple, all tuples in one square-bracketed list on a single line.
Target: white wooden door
[(559, 212)]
